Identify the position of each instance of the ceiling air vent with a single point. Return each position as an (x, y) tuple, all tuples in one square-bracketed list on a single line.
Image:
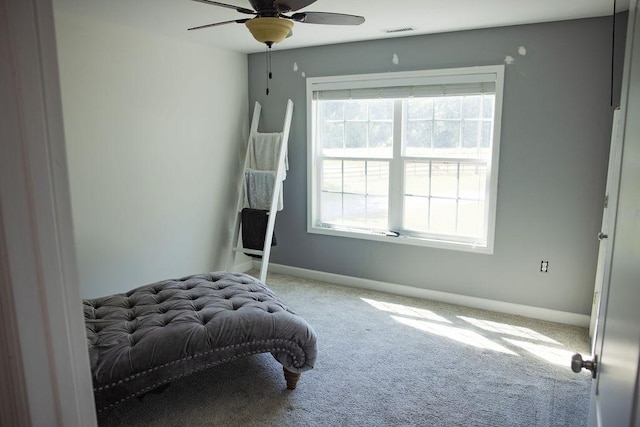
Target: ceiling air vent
[(397, 30)]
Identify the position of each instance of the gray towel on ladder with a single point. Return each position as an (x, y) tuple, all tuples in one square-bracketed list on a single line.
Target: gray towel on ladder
[(259, 186)]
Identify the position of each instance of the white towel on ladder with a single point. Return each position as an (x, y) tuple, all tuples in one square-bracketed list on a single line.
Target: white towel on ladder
[(260, 176), (264, 152)]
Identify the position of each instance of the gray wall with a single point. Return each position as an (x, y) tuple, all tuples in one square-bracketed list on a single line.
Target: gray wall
[(154, 131), (554, 149)]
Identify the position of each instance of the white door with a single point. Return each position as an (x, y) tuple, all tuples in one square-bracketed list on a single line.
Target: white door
[(615, 395), (608, 220)]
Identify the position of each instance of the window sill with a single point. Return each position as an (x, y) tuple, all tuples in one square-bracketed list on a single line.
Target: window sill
[(389, 237)]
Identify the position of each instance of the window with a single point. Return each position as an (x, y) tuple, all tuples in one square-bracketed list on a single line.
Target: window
[(406, 157)]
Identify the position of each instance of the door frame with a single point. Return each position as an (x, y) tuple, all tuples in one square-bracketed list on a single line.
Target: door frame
[(620, 331), (37, 251), (608, 219)]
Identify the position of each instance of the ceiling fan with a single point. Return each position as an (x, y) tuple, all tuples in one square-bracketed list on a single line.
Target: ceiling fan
[(271, 24)]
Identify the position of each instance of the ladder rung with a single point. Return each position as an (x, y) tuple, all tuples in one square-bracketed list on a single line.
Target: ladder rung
[(248, 251)]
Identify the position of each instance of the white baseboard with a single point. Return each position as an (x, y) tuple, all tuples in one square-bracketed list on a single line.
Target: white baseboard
[(564, 317)]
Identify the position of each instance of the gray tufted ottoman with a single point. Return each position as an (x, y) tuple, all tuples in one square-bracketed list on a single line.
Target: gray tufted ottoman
[(158, 333)]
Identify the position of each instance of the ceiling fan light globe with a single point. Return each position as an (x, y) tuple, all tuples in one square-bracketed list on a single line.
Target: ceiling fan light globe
[(268, 29)]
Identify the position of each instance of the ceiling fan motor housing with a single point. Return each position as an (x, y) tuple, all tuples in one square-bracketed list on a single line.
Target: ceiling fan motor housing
[(269, 30)]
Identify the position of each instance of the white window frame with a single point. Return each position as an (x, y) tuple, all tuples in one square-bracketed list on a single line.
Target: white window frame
[(380, 81)]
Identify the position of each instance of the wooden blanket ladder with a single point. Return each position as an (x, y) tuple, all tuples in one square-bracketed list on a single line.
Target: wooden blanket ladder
[(280, 174)]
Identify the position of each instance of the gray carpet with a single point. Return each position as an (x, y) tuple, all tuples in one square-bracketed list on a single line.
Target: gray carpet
[(387, 360)]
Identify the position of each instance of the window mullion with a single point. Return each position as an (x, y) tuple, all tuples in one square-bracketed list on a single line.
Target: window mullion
[(430, 196), (396, 167), (457, 196)]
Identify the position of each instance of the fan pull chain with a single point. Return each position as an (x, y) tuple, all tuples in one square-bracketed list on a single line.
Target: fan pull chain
[(269, 74)]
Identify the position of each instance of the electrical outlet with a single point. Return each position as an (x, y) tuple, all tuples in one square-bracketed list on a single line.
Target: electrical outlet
[(544, 266)]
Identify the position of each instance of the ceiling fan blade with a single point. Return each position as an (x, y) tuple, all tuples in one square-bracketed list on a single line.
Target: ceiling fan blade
[(285, 6), (327, 18), (228, 6), (237, 21)]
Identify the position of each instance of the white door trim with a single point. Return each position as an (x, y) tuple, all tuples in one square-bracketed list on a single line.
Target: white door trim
[(35, 214), (608, 219)]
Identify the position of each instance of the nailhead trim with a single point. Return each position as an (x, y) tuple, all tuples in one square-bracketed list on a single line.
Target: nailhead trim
[(204, 353), (200, 368)]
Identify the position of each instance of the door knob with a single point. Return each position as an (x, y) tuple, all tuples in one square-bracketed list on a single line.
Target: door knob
[(577, 364), (602, 236)]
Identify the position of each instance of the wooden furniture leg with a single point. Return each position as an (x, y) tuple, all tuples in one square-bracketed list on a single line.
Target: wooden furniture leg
[(292, 379)]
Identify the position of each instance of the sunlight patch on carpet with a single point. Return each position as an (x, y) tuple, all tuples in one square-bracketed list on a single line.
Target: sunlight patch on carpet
[(464, 336), (557, 356), (506, 329), (405, 310)]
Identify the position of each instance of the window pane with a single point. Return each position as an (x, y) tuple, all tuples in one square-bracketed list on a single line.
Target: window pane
[(377, 212), (332, 175), (444, 179), (443, 216), (471, 107), (354, 209), (331, 208), (355, 136), (355, 110), (488, 104), (381, 138), (473, 178), (416, 178), (420, 108), (446, 136), (378, 178), (416, 213), (447, 107), (471, 134), (417, 138), (486, 134), (332, 110), (381, 109), (354, 177), (470, 215), (331, 137)]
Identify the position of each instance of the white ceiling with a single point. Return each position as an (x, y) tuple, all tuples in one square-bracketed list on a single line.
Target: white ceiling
[(173, 17)]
